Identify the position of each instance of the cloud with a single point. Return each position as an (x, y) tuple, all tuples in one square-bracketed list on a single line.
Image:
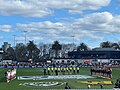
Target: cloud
[(103, 22), (82, 5), (1, 37), (41, 8), (93, 26), (50, 31), (5, 28), (28, 38), (26, 8), (43, 27)]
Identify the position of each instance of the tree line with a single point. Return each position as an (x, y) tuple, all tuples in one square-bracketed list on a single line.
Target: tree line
[(32, 52)]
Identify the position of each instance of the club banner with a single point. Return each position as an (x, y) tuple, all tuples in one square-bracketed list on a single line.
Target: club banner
[(10, 75)]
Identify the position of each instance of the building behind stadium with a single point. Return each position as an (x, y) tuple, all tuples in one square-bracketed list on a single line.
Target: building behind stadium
[(99, 54)]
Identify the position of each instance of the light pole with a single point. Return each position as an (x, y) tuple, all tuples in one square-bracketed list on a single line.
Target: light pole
[(73, 35), (14, 39), (25, 31), (73, 38)]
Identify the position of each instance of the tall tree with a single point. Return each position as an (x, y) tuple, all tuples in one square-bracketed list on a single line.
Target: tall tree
[(11, 53), (33, 51), (106, 44), (82, 47), (21, 52), (36, 55), (56, 46), (115, 46)]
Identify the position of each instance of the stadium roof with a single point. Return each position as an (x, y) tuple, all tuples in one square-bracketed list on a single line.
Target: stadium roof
[(104, 49)]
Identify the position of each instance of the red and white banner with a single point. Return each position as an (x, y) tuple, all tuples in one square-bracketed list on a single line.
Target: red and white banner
[(10, 74)]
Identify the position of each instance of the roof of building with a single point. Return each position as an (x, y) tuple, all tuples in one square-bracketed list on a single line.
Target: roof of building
[(104, 49)]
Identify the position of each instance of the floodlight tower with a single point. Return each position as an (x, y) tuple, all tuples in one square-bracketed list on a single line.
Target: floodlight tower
[(14, 39), (25, 31), (73, 36)]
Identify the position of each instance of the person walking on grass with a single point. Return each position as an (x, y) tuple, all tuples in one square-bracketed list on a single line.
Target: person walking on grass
[(67, 86)]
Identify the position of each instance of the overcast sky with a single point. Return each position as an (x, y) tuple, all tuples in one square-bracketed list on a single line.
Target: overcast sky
[(88, 21)]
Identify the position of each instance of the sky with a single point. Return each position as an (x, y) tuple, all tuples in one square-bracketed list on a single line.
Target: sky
[(68, 21)]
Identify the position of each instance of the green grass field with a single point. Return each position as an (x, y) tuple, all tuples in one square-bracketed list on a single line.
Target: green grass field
[(75, 84)]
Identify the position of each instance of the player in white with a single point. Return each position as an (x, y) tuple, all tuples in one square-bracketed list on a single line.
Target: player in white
[(12, 74), (8, 76)]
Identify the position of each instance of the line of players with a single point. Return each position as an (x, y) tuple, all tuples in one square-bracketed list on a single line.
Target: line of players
[(10, 75), (61, 70), (103, 72)]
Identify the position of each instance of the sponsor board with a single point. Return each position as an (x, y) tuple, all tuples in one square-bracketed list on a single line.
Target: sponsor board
[(44, 84), (54, 77)]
